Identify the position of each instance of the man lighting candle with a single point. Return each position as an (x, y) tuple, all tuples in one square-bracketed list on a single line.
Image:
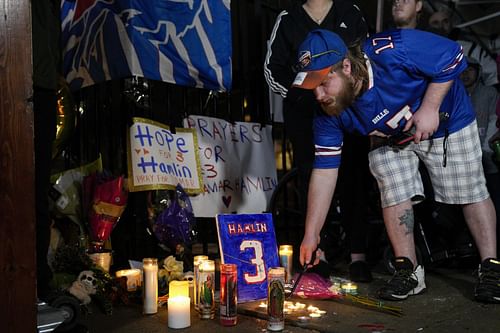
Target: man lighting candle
[(409, 78)]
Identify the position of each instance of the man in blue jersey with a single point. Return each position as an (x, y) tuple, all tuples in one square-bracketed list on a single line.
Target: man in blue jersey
[(407, 96)]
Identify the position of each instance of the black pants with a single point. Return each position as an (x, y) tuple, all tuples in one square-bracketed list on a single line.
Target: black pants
[(44, 107), (355, 184)]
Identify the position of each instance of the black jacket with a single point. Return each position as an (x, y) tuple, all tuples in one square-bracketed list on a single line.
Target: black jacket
[(291, 28)]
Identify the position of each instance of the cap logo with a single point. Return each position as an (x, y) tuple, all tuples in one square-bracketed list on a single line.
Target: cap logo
[(305, 58)]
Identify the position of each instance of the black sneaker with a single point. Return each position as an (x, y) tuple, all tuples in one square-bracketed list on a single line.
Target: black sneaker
[(359, 271), (406, 281), (488, 284)]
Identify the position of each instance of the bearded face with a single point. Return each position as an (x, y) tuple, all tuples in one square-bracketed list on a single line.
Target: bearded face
[(336, 93)]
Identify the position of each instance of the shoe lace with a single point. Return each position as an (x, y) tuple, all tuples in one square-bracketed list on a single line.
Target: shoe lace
[(489, 277), (402, 278)]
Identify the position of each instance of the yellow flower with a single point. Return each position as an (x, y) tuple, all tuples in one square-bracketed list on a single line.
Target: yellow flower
[(173, 265)]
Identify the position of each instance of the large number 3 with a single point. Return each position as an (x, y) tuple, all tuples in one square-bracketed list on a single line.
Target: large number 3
[(257, 261)]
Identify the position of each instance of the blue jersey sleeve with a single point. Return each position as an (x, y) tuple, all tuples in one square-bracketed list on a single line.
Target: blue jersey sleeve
[(438, 58), (328, 137)]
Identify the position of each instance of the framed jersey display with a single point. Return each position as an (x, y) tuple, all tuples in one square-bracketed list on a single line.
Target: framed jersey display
[(249, 241)]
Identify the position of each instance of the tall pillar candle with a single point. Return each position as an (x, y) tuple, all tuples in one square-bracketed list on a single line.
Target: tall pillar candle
[(286, 258), (150, 286), (228, 295), (206, 285), (276, 299), (197, 260)]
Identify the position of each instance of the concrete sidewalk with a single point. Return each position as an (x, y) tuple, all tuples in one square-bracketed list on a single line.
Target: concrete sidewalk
[(446, 306)]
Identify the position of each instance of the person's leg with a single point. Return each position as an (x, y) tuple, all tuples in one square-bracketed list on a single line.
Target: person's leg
[(462, 182), (400, 185), (399, 223), (481, 220), (354, 177)]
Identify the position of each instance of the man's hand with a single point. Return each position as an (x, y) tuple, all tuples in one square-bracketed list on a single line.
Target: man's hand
[(426, 118), (309, 244), (426, 123)]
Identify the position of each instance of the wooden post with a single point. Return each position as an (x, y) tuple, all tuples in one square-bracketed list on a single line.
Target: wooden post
[(17, 203)]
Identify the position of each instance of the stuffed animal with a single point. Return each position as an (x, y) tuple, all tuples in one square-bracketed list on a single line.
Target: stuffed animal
[(84, 286)]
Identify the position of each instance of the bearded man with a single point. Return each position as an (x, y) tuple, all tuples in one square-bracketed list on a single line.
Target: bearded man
[(406, 86)]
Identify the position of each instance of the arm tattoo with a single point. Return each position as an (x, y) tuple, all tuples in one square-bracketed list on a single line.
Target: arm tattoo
[(407, 220)]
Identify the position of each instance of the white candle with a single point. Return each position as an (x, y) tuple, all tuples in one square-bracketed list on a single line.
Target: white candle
[(286, 256), (150, 286), (133, 278), (179, 312)]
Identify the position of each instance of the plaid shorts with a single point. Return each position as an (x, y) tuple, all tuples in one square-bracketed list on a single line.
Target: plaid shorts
[(460, 182)]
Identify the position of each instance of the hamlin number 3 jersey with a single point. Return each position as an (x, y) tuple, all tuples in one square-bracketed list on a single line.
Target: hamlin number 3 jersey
[(401, 65)]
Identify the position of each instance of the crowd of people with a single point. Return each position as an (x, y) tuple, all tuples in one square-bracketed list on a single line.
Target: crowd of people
[(426, 100)]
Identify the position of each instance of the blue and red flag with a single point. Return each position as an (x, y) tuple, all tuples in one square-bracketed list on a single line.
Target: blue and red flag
[(185, 42)]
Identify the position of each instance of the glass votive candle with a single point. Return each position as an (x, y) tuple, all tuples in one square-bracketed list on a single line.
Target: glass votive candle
[(276, 299), (228, 295), (286, 258), (196, 263), (133, 277), (206, 285), (350, 288)]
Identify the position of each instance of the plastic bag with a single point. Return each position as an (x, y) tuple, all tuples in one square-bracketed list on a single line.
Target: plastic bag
[(171, 218), (312, 285)]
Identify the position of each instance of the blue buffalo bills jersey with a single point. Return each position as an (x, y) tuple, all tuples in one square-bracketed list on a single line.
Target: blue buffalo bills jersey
[(401, 64)]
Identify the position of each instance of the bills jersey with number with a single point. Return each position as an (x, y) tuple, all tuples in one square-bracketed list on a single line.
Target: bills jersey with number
[(401, 65)]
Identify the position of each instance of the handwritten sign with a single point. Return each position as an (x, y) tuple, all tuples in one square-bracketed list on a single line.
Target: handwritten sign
[(249, 241), (159, 159), (238, 166)]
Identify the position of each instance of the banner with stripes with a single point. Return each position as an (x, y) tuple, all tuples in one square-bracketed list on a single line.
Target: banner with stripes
[(185, 42)]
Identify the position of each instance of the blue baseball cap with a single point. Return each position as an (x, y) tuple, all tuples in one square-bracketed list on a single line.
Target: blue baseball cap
[(317, 54)]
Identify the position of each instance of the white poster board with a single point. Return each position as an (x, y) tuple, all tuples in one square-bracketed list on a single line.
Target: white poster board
[(159, 159), (238, 166)]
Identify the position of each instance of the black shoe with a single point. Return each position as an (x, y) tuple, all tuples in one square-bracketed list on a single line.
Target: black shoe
[(488, 284), (359, 271), (406, 281)]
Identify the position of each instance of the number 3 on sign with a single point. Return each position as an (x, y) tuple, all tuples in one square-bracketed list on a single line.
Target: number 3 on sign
[(257, 261)]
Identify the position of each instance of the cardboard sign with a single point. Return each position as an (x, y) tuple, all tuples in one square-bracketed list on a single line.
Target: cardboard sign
[(159, 159), (238, 166), (249, 241)]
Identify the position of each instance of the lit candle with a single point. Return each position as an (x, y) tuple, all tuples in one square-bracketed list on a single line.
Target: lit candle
[(286, 256), (178, 288), (150, 286), (350, 288), (179, 312), (228, 307), (276, 299), (206, 285), (178, 304), (133, 278), (196, 263)]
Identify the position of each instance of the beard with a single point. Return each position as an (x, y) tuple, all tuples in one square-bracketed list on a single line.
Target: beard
[(402, 21), (334, 105)]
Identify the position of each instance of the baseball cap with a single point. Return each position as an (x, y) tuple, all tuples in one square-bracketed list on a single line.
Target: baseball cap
[(317, 54)]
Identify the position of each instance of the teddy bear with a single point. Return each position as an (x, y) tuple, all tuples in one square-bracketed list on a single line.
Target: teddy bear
[(84, 286)]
